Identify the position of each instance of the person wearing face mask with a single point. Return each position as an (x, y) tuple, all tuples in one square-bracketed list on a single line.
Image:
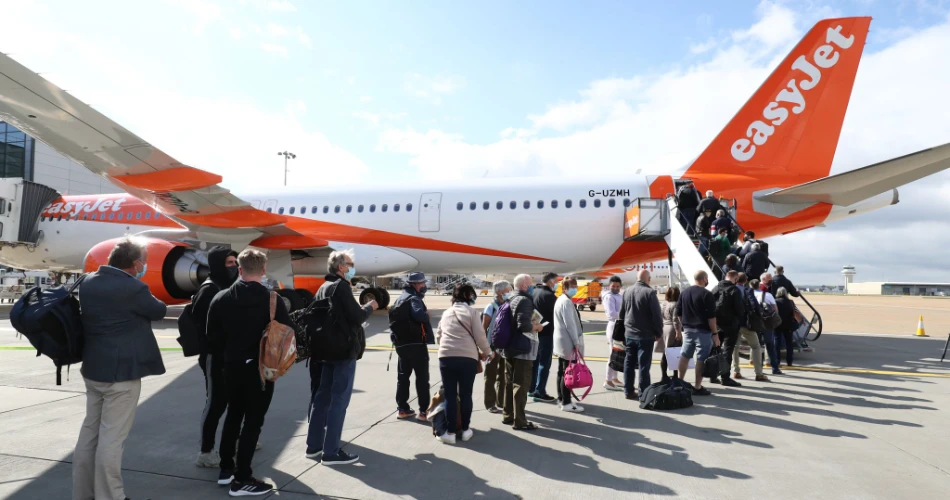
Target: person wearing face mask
[(224, 272), (568, 335), (120, 349), (332, 398), (411, 332), (463, 344), (544, 299)]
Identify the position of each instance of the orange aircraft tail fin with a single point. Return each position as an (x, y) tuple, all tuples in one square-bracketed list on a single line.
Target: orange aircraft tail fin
[(794, 119)]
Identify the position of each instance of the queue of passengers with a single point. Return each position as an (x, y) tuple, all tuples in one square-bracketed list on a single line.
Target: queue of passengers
[(118, 310)]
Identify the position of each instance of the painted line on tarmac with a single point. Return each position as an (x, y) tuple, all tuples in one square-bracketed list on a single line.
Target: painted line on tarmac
[(796, 368)]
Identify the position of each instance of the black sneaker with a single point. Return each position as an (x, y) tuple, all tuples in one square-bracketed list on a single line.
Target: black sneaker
[(702, 391), (249, 488), (314, 453), (341, 458), (729, 382), (225, 477), (544, 398)]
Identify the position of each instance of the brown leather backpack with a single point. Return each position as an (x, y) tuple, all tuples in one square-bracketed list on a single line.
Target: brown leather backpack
[(278, 347)]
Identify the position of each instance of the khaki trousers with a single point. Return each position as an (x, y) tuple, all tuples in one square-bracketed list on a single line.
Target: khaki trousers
[(517, 385), (97, 462), (752, 339)]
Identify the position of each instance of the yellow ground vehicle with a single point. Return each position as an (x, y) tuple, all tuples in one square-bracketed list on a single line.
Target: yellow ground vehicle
[(588, 294)]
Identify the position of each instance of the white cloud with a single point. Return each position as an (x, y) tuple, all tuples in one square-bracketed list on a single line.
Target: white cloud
[(371, 119), (432, 88), (660, 122), (205, 12), (366, 98), (303, 38), (210, 132), (703, 47), (276, 30), (237, 33), (274, 48), (271, 5)]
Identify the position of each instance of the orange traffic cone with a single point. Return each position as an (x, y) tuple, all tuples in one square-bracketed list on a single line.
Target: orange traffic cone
[(920, 328)]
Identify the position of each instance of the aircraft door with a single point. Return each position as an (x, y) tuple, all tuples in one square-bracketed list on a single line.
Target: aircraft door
[(429, 205)]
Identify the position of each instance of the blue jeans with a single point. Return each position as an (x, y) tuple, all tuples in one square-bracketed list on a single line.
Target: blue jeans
[(640, 352), (329, 406), (458, 378), (541, 367)]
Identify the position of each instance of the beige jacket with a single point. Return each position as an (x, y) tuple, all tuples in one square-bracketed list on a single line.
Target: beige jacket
[(460, 333)]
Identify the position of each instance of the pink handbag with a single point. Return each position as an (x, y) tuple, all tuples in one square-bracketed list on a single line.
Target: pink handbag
[(577, 376)]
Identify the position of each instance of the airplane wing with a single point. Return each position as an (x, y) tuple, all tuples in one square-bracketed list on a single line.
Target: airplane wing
[(858, 185), (189, 195)]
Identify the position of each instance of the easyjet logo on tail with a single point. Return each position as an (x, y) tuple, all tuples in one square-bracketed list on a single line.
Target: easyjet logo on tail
[(792, 96)]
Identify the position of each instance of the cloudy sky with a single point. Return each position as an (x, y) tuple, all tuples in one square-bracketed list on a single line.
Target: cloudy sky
[(369, 92)]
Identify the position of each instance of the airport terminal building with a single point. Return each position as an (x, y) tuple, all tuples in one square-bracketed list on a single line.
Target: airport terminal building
[(23, 156), (897, 288)]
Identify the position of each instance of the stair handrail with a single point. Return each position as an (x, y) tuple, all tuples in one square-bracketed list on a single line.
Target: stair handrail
[(815, 314)]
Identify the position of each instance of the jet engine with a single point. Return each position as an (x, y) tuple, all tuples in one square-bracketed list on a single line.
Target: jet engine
[(175, 270)]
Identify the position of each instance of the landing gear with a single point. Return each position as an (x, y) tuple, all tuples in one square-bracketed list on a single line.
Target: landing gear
[(293, 297), (380, 295), (305, 295), (592, 307)]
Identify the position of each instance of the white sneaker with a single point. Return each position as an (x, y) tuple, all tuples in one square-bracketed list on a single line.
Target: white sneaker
[(611, 387), (573, 408), (447, 438), (467, 434), (210, 460)]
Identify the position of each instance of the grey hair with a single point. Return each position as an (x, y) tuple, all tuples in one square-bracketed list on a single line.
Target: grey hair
[(501, 286), (522, 279), (709, 193), (126, 251), (720, 213), (781, 292), (756, 246), (338, 258)]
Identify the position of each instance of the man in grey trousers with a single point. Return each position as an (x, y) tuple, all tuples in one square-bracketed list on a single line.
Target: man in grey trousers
[(120, 349)]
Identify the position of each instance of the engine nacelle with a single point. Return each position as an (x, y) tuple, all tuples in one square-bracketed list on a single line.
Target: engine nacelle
[(175, 270)]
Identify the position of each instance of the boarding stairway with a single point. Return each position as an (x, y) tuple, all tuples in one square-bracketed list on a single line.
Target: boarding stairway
[(655, 219)]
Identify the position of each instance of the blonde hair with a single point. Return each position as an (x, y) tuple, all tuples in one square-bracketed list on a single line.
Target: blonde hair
[(252, 262)]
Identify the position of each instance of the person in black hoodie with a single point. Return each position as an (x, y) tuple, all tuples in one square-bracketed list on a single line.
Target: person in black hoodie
[(237, 318), (224, 271), (544, 300), (329, 404)]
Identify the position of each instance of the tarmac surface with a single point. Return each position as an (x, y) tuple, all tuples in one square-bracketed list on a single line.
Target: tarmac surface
[(862, 416)]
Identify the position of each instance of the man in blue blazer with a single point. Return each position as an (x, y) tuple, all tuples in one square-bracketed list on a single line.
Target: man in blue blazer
[(120, 349)]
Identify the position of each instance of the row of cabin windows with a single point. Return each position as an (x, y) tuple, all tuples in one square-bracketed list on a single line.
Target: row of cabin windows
[(349, 209), (103, 216), (540, 204)]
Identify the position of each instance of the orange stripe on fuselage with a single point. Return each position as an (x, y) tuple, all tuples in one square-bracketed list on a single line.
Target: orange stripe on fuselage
[(126, 209)]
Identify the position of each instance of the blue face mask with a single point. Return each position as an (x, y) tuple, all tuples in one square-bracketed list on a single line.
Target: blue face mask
[(349, 274), (530, 290), (507, 296), (141, 273), (571, 292)]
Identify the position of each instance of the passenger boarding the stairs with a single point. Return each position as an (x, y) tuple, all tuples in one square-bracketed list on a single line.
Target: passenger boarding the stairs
[(687, 201), (613, 301)]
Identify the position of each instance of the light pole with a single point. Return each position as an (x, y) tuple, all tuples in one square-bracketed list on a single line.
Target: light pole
[(287, 155)]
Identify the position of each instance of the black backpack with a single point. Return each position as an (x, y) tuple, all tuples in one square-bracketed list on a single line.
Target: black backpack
[(50, 319), (189, 336), (725, 300), (668, 395), (320, 328), (404, 330), (755, 316)]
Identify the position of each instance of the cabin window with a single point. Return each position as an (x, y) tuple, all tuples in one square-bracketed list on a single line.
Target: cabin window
[(409, 207), (336, 209), (359, 209), (385, 207), (597, 203), (553, 203), (280, 210), (372, 208), (459, 206), (540, 204), (349, 208), (292, 210), (513, 205), (612, 203), (396, 207)]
